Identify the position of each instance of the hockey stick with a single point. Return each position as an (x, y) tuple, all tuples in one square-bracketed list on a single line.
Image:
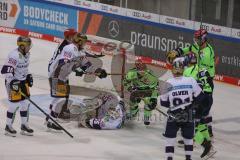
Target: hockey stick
[(96, 74), (70, 135), (94, 55), (199, 49), (165, 114)]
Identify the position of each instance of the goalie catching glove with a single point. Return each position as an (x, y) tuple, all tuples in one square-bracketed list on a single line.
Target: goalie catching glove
[(101, 73)]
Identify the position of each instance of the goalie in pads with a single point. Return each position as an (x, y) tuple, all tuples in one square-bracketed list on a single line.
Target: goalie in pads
[(102, 112)]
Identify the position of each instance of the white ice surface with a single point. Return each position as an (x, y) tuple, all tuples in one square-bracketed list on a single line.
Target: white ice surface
[(134, 142)]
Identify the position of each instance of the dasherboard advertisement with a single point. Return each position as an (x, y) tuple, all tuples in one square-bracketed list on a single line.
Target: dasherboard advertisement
[(45, 18)]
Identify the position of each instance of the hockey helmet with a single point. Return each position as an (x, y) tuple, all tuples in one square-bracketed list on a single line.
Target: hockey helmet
[(171, 55), (24, 44), (79, 39), (140, 65), (200, 36), (178, 66), (24, 41), (69, 32)]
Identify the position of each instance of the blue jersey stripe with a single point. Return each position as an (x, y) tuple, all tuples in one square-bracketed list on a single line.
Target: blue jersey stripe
[(180, 87)]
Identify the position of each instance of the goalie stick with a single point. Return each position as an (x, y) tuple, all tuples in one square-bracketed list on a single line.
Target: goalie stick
[(113, 74)]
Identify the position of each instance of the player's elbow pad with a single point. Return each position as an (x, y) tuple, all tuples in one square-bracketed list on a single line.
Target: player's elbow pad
[(165, 103), (7, 69), (61, 62)]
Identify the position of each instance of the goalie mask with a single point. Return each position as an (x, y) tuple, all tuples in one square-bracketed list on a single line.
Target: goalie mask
[(24, 44), (113, 113)]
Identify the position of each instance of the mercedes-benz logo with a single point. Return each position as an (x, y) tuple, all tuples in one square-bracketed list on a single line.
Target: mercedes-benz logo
[(113, 28)]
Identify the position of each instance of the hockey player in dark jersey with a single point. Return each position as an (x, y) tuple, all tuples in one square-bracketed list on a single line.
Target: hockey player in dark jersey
[(179, 97)]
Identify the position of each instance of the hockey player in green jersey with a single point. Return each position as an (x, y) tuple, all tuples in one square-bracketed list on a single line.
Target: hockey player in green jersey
[(202, 131), (142, 85), (201, 48)]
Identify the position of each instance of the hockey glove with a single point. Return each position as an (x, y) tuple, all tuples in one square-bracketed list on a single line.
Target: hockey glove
[(131, 89), (78, 72), (29, 80), (15, 85), (101, 73)]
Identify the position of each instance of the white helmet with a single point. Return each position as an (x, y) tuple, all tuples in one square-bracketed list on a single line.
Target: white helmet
[(178, 66)]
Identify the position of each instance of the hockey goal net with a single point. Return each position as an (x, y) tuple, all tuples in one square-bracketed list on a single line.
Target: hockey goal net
[(113, 58)]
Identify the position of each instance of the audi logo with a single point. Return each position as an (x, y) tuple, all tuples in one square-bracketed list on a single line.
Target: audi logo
[(136, 14)]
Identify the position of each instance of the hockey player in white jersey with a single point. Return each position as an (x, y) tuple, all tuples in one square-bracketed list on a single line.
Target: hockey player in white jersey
[(179, 97), (17, 80), (68, 35), (104, 112), (71, 59)]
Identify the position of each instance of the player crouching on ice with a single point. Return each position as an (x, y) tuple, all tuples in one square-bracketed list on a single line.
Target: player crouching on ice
[(142, 85), (109, 113), (179, 96), (18, 80), (104, 111), (73, 58)]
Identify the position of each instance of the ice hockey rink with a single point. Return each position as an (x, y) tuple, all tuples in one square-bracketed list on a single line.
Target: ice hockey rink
[(133, 142)]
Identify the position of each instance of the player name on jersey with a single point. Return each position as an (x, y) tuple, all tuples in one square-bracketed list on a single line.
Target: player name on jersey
[(177, 93)]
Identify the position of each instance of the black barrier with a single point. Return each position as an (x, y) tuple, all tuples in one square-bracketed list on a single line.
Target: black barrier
[(152, 40)]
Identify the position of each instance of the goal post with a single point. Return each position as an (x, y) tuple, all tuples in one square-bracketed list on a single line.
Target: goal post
[(115, 54)]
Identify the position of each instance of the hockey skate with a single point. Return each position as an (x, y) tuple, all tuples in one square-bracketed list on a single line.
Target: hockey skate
[(26, 130), (65, 115), (147, 120), (9, 131), (210, 154), (208, 150), (53, 127)]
